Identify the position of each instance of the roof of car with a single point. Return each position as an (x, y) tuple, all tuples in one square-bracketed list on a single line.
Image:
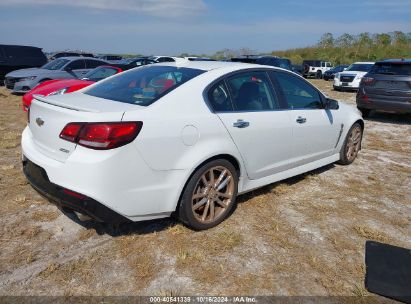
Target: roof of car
[(71, 58), (399, 60), (364, 62), (210, 65)]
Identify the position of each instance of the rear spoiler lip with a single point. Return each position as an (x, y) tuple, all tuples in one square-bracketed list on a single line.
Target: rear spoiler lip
[(53, 102)]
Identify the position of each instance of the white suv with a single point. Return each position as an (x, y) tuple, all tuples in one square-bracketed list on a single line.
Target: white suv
[(315, 68), (350, 78)]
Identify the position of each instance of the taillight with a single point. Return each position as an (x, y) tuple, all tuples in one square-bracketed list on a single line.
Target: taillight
[(101, 135), (71, 131), (367, 80)]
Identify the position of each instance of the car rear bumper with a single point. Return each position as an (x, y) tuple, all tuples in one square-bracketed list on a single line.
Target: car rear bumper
[(69, 200), (117, 179), (384, 105)]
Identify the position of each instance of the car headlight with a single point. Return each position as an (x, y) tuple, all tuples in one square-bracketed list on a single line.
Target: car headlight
[(337, 75), (28, 78), (58, 92), (358, 77)]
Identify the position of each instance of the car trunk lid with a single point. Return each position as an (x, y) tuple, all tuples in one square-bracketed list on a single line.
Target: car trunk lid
[(49, 115)]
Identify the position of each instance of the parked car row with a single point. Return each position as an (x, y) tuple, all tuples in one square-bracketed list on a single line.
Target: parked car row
[(76, 66)]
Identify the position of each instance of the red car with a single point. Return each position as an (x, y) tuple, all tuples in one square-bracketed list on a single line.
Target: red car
[(63, 86)]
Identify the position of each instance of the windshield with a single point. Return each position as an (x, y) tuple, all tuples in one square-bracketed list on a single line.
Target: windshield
[(360, 67), (55, 64), (100, 73), (143, 86), (392, 68)]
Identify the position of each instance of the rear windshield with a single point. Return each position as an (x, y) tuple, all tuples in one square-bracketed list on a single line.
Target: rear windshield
[(55, 64), (143, 86), (360, 67), (392, 68)]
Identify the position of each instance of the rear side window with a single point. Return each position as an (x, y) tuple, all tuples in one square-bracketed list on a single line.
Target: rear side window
[(143, 86), (91, 64), (100, 73), (165, 59), (391, 68), (76, 64), (251, 91), (219, 98), (297, 93)]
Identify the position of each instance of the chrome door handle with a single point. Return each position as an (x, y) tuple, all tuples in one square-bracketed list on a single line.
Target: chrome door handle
[(301, 120), (241, 124)]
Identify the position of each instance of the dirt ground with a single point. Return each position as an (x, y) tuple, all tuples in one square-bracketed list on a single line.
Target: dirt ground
[(303, 236)]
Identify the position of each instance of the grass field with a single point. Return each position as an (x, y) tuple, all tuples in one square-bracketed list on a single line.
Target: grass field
[(303, 236)]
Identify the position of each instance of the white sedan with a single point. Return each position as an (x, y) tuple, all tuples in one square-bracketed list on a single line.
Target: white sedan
[(182, 138)]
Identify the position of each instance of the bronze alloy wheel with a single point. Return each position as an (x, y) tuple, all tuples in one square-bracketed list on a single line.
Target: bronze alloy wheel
[(353, 143), (213, 194)]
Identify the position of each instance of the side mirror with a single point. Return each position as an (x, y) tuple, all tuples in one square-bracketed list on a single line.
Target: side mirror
[(331, 104), (344, 69)]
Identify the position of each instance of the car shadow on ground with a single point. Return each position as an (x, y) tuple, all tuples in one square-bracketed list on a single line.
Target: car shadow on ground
[(147, 227), (392, 118), (140, 228)]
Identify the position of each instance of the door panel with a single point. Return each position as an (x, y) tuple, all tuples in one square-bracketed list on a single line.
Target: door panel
[(315, 134), (248, 107), (264, 144), (315, 131)]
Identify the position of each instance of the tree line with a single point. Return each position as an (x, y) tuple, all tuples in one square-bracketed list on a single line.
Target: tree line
[(343, 49)]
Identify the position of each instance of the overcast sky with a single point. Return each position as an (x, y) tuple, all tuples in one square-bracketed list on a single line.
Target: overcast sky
[(193, 26)]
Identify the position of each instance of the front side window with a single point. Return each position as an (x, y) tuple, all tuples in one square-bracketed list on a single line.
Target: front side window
[(143, 86), (55, 64), (251, 91), (297, 93)]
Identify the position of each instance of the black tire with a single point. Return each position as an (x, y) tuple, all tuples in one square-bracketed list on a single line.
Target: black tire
[(365, 112), (336, 89), (185, 210), (319, 75), (345, 159)]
